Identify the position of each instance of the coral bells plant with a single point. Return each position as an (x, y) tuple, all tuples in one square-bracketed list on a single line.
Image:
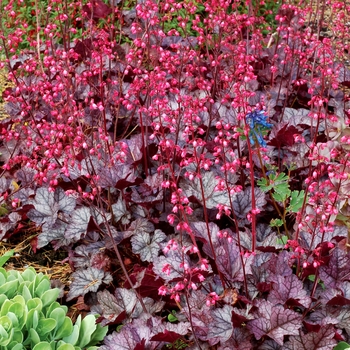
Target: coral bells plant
[(192, 157)]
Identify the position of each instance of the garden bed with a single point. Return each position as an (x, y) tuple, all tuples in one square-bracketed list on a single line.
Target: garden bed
[(183, 168)]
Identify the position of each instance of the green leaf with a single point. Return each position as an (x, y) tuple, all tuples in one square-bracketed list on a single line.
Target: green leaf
[(35, 304), (6, 256), (98, 335), (296, 201), (34, 336), (172, 317), (342, 346), (29, 274), (278, 183), (55, 305), (5, 306), (57, 314), (279, 197), (279, 179), (65, 329), (66, 347), (88, 326), (26, 293), (3, 274), (74, 336), (5, 335), (283, 240), (6, 322), (17, 336), (32, 319), (3, 210), (50, 296), (44, 345), (17, 309), (264, 185), (3, 298), (18, 346), (276, 222), (9, 288), (40, 284), (45, 325), (13, 318)]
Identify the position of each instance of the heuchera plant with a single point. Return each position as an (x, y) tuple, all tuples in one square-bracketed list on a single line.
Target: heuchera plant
[(193, 159)]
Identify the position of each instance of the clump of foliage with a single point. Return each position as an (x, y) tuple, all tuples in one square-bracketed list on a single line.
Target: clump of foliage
[(31, 318), (203, 169)]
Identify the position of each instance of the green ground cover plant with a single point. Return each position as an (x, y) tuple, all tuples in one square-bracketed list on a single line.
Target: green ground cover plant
[(31, 318), (192, 159)]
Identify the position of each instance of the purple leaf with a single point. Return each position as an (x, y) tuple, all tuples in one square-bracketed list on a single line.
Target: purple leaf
[(132, 334), (299, 116), (322, 340), (212, 197), (88, 280), (47, 205), (25, 175), (175, 260), (9, 223), (266, 237), (332, 297), (281, 264), (261, 267), (274, 321), (97, 9), (166, 336), (65, 203), (135, 146), (286, 288), (270, 344), (45, 214), (84, 253), (141, 225), (51, 233), (200, 231), (144, 194), (283, 135), (242, 203), (170, 332), (311, 241), (228, 261), (337, 270), (339, 316), (181, 328), (118, 175), (239, 340), (78, 224), (201, 315), (147, 247), (147, 282), (111, 310), (221, 328), (120, 212), (112, 306), (5, 184), (342, 315)]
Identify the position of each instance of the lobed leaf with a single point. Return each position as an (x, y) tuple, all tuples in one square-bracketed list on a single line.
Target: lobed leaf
[(221, 327), (147, 247), (274, 321), (286, 288), (321, 340), (88, 280), (212, 197), (242, 203)]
